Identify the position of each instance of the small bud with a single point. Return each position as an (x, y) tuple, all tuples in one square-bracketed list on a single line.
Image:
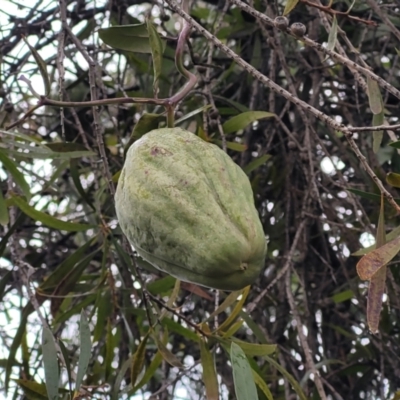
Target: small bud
[(298, 29), (281, 23)]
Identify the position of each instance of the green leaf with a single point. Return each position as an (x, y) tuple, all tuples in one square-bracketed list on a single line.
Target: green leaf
[(377, 136), (209, 374), (18, 177), (192, 114), (393, 179), (59, 273), (179, 329), (170, 358), (396, 145), (50, 363), (156, 52), (33, 390), (104, 308), (245, 387), (150, 371), (138, 360), (369, 196), (343, 296), (288, 376), (85, 350), (47, 219), (73, 150), (229, 300), (42, 68), (134, 38), (332, 34), (254, 349), (231, 145), (290, 5), (257, 162), (374, 96), (77, 182), (234, 313), (118, 380), (65, 355), (17, 339), (241, 121), (262, 385), (4, 218)]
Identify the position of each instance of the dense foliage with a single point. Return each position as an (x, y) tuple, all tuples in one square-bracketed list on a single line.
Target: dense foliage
[(67, 272)]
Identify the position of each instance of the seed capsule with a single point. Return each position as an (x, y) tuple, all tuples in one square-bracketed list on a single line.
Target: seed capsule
[(281, 23), (298, 29)]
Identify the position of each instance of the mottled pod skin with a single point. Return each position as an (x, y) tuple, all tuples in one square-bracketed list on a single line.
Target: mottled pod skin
[(188, 210)]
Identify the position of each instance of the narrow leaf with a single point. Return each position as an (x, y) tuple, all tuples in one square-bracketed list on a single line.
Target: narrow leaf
[(157, 50), (257, 162), (47, 219), (18, 177), (343, 296), (369, 196), (229, 300), (42, 68), (61, 271), (377, 136), (254, 349), (85, 348), (171, 299), (50, 363), (77, 182), (33, 390), (65, 355), (262, 385), (179, 329), (235, 312), (290, 5), (192, 114), (209, 374), (170, 358), (4, 218), (374, 96), (376, 259), (333, 34), (232, 145), (118, 380), (288, 376), (240, 121), (134, 38), (233, 329), (138, 360), (150, 371), (245, 387)]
